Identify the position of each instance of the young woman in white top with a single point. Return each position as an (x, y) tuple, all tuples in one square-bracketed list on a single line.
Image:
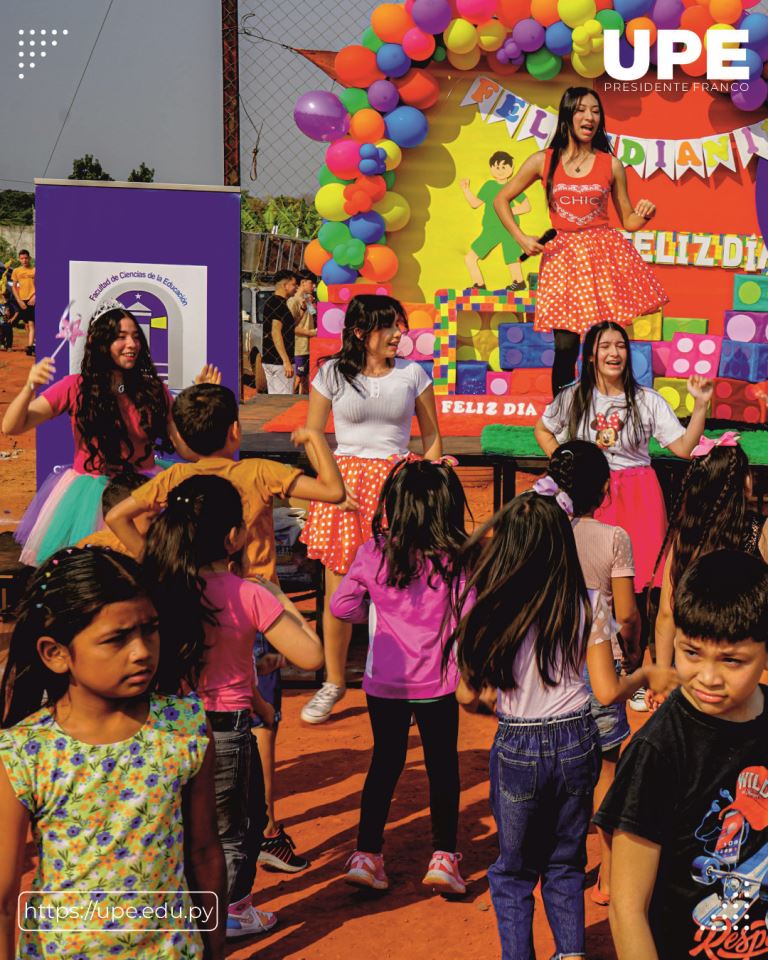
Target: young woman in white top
[(373, 396)]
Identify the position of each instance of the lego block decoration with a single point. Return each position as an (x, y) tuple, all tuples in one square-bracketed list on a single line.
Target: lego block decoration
[(498, 384), (746, 326), (660, 353), (320, 347), (675, 392), (694, 354), (647, 327), (672, 325), (344, 292), (744, 361), (330, 319), (737, 400), (642, 363), (521, 346), (417, 345), (750, 292), (534, 380), (470, 377)]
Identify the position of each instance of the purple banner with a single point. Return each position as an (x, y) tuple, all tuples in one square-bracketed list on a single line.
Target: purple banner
[(169, 256)]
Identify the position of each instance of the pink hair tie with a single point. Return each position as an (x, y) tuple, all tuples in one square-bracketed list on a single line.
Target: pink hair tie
[(546, 487), (707, 444)]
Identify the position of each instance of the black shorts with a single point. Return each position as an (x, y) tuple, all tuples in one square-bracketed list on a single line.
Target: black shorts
[(27, 314)]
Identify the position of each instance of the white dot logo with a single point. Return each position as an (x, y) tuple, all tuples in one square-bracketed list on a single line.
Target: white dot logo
[(27, 51)]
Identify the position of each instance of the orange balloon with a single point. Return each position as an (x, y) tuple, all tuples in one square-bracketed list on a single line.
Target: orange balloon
[(698, 19), (545, 11), (725, 11), (380, 263), (642, 23), (510, 11), (315, 257), (418, 88), (356, 66), (367, 125), (502, 69), (391, 22), (698, 68)]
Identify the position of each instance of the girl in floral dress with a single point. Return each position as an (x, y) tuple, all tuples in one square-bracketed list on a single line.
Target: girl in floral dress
[(115, 781)]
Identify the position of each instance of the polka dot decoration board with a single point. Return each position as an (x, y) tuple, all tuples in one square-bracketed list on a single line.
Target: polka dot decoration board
[(750, 292), (694, 354)]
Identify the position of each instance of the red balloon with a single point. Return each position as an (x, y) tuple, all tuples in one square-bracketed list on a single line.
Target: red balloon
[(356, 66), (380, 263), (698, 19), (418, 88), (502, 69), (510, 11)]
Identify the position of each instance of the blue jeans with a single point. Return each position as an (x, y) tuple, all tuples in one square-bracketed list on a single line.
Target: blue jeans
[(240, 809), (543, 773)]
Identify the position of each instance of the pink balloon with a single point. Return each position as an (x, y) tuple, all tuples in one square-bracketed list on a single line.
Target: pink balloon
[(418, 45), (343, 158), (476, 11)]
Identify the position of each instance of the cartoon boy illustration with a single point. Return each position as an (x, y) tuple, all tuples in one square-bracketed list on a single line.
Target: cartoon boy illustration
[(494, 233)]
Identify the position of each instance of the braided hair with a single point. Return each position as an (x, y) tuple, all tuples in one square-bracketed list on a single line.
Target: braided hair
[(581, 469)]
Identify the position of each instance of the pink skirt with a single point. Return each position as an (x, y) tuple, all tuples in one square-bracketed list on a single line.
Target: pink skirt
[(333, 536), (636, 503)]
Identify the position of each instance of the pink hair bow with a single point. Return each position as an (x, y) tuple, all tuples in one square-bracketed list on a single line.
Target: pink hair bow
[(547, 487), (707, 444)]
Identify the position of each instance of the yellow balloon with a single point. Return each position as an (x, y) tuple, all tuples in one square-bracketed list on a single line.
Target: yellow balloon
[(597, 44), (322, 292), (580, 37), (460, 36), (465, 61), (491, 35), (721, 26), (588, 65), (593, 27), (329, 201), (395, 210), (575, 12), (393, 152), (583, 49)]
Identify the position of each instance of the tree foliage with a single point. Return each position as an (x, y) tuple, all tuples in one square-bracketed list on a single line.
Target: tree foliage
[(17, 206), (88, 168), (292, 216), (142, 174)]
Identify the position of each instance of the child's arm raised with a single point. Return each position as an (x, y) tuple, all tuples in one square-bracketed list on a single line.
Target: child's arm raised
[(26, 410), (328, 485), (14, 817), (204, 864), (472, 200), (701, 389), (634, 865), (632, 218)]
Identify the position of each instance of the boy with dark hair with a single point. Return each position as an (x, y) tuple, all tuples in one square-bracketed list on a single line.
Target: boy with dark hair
[(118, 489), (494, 232), (689, 807), (279, 335)]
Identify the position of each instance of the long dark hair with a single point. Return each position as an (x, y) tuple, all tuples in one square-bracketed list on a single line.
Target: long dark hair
[(710, 509), (187, 536), (528, 576), (97, 414), (61, 598), (365, 314), (577, 403), (419, 523), (564, 130), (581, 469)]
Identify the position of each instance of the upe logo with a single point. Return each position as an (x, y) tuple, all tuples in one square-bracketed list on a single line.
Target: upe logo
[(676, 47)]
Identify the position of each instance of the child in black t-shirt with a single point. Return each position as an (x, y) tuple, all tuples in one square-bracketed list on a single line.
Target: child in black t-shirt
[(689, 807)]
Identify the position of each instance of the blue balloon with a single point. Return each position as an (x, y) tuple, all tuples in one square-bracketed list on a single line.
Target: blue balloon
[(558, 40), (629, 9), (392, 60), (754, 63), (756, 25), (407, 126), (368, 227), (371, 167), (334, 273), (369, 151)]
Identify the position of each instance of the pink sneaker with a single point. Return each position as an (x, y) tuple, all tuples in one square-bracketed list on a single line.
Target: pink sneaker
[(366, 870), (443, 873)]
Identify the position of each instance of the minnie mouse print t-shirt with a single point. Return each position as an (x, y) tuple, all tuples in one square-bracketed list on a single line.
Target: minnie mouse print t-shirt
[(605, 424)]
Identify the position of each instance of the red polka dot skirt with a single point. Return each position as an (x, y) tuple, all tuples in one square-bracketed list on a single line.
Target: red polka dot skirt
[(588, 276), (333, 536)]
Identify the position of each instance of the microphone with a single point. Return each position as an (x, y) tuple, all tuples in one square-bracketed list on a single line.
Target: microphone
[(544, 238)]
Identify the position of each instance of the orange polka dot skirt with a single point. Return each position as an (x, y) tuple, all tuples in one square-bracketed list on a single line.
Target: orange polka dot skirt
[(588, 276), (333, 536)]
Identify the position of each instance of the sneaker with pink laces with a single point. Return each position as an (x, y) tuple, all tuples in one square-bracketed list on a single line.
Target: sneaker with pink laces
[(443, 873), (366, 870)]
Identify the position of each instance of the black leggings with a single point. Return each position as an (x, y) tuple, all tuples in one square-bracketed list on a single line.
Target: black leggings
[(566, 355), (438, 724)]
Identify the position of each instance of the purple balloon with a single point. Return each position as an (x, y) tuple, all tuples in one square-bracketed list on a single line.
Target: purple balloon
[(383, 96), (751, 98), (666, 14), (320, 115), (528, 35), (431, 16)]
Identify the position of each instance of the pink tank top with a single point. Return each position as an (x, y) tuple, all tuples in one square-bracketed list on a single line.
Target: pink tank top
[(579, 203)]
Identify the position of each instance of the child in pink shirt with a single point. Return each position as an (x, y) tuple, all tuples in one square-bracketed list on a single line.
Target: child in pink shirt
[(402, 582), (217, 614)]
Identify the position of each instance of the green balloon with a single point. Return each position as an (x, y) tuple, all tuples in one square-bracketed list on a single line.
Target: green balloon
[(389, 178), (611, 20), (331, 234), (439, 54), (325, 176), (543, 65), (371, 41), (354, 99)]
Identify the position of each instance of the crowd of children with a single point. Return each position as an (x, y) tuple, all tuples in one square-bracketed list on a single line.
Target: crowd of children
[(130, 694)]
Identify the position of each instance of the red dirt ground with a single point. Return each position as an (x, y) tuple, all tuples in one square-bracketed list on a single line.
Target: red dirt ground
[(320, 773)]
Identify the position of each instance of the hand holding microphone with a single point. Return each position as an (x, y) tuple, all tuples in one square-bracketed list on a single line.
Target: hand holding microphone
[(532, 247)]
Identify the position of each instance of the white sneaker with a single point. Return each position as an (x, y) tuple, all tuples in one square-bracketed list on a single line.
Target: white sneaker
[(637, 701), (249, 922), (319, 707)]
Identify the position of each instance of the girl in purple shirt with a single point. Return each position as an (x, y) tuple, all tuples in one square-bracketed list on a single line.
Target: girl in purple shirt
[(402, 582)]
